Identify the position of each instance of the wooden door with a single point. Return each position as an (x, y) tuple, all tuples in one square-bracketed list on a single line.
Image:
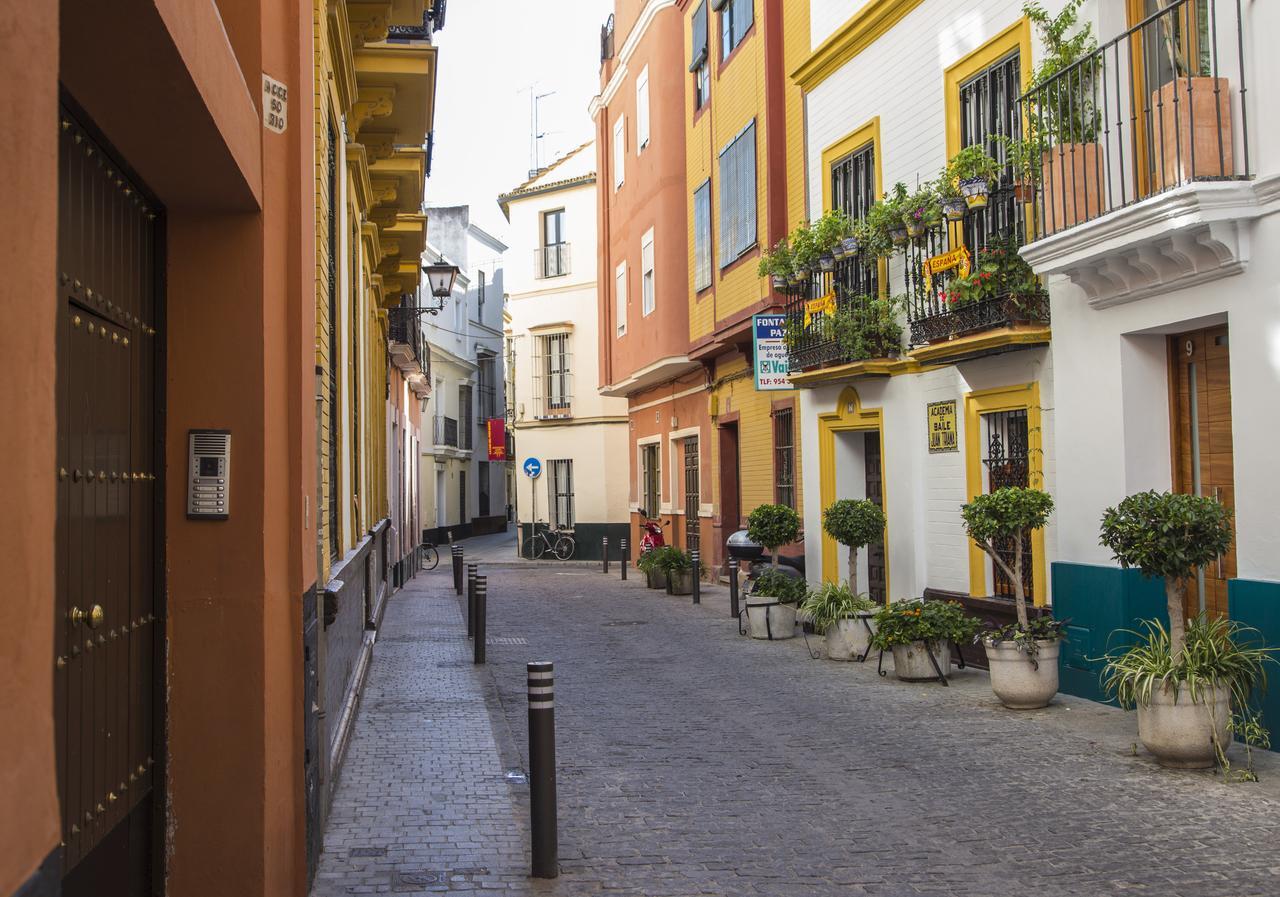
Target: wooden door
[(109, 487), (876, 580), (1202, 450), (730, 493)]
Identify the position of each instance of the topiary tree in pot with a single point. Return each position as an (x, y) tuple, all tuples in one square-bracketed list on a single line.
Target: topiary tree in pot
[(773, 526), (1023, 658), (854, 523), (1171, 535)]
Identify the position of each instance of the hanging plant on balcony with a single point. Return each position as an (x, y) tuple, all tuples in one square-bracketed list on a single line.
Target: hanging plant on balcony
[(827, 234), (777, 265), (922, 211), (950, 199), (804, 250), (851, 239), (973, 170), (885, 218), (869, 327), (1000, 271), (1024, 155)]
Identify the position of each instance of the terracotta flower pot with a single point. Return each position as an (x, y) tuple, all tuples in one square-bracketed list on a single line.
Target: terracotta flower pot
[(1191, 119), (1072, 184)]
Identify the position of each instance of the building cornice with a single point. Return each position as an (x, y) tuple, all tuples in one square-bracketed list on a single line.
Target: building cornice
[(634, 37), (863, 29)]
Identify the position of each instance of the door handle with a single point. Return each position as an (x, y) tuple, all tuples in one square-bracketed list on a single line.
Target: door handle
[(92, 618)]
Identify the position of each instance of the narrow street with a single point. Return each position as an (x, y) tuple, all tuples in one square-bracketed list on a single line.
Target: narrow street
[(695, 761)]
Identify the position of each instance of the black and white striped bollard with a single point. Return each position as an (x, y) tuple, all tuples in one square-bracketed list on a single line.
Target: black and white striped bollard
[(624, 560), (473, 570), (542, 769), (604, 552), (457, 569), (697, 576), (482, 624)]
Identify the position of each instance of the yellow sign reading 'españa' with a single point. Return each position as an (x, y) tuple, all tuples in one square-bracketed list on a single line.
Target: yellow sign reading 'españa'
[(956, 258), (824, 306), (942, 427)]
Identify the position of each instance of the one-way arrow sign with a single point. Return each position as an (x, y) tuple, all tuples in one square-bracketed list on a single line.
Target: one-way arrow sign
[(532, 468)]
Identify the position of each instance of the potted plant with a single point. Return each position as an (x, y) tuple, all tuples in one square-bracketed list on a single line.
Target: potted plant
[(804, 250), (950, 198), (1023, 657), (917, 630), (679, 569), (828, 235), (854, 523), (776, 265), (649, 564), (773, 526), (772, 604), (844, 617), (921, 211), (851, 239), (1183, 696), (1193, 108), (1063, 105), (973, 171), (892, 209), (1025, 157)]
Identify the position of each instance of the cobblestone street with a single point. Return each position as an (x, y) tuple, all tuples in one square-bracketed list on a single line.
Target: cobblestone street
[(694, 761)]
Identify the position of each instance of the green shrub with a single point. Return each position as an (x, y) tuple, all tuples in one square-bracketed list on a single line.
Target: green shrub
[(854, 523), (773, 526), (1168, 535), (831, 602), (1007, 514), (670, 559), (904, 622), (776, 584)]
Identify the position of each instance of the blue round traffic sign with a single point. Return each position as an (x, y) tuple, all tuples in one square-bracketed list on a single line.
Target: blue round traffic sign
[(532, 468)]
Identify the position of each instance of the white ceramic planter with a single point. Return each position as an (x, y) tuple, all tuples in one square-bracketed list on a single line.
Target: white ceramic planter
[(1181, 734), (1016, 682), (769, 620), (849, 639), (911, 662)]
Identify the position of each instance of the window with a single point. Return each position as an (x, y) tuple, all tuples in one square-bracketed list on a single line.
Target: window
[(464, 417), (619, 150), (738, 196), (698, 65), (554, 252), (642, 110), (648, 300), (560, 486), (486, 388), (480, 291), (988, 112), (853, 189), (651, 495), (702, 237), (553, 381), (620, 296), (1008, 464), (736, 18), (784, 457)]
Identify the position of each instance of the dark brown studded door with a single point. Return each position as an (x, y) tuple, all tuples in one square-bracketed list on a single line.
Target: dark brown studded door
[(107, 621)]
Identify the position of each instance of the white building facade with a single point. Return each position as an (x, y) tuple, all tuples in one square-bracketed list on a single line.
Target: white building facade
[(463, 479), (559, 417)]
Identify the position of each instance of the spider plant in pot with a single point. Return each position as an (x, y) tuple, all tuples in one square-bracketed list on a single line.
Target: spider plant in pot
[(950, 198), (917, 630), (844, 617), (974, 171), (776, 265), (1183, 695), (772, 604), (650, 564), (679, 569), (1023, 657), (921, 211)]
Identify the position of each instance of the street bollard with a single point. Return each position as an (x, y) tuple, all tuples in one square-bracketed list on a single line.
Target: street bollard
[(604, 552), (697, 577), (472, 571), (624, 560), (542, 769), (482, 611), (457, 569), (733, 589)]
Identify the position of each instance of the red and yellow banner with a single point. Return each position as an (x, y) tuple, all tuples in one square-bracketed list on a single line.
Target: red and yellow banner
[(497, 429), (826, 305), (957, 259)]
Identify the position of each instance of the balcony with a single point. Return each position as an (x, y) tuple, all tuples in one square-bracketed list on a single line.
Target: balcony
[(821, 332), (551, 261), (446, 432), (1143, 178)]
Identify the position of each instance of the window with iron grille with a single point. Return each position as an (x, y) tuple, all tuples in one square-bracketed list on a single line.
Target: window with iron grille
[(650, 494), (465, 417), (989, 111), (853, 190), (553, 378), (702, 237), (738, 196), (698, 64), (736, 18), (1008, 464), (560, 484), (692, 496), (784, 457)]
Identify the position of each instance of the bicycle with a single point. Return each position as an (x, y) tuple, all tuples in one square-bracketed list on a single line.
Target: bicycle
[(430, 556), (558, 542)]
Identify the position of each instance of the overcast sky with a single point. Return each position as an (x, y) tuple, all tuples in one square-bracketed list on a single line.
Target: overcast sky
[(491, 53)]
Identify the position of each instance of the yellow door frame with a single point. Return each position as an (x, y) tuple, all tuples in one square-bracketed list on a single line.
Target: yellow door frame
[(1005, 398), (849, 417)]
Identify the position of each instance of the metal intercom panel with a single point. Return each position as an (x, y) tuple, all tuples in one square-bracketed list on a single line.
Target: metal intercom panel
[(209, 474)]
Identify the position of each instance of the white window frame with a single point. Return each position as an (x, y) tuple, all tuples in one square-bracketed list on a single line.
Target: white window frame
[(619, 151), (620, 296), (648, 276), (642, 110)]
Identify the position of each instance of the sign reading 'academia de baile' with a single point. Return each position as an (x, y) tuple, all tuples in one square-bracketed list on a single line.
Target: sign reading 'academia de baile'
[(942, 427)]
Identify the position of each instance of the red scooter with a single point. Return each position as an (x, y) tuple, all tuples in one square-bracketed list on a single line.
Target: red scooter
[(653, 537)]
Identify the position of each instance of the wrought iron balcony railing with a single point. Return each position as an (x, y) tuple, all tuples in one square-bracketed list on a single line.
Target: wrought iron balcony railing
[(551, 260), (446, 431), (1160, 106), (815, 308)]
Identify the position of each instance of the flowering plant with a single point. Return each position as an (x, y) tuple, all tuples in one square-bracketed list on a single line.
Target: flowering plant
[(921, 211), (999, 271), (904, 622)]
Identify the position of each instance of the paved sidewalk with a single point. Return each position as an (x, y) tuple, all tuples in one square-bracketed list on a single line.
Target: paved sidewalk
[(696, 762)]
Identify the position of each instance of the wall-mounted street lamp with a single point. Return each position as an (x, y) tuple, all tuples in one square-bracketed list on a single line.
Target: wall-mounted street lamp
[(440, 280)]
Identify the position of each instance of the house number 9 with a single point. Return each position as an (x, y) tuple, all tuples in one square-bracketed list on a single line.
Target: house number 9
[(1191, 348)]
